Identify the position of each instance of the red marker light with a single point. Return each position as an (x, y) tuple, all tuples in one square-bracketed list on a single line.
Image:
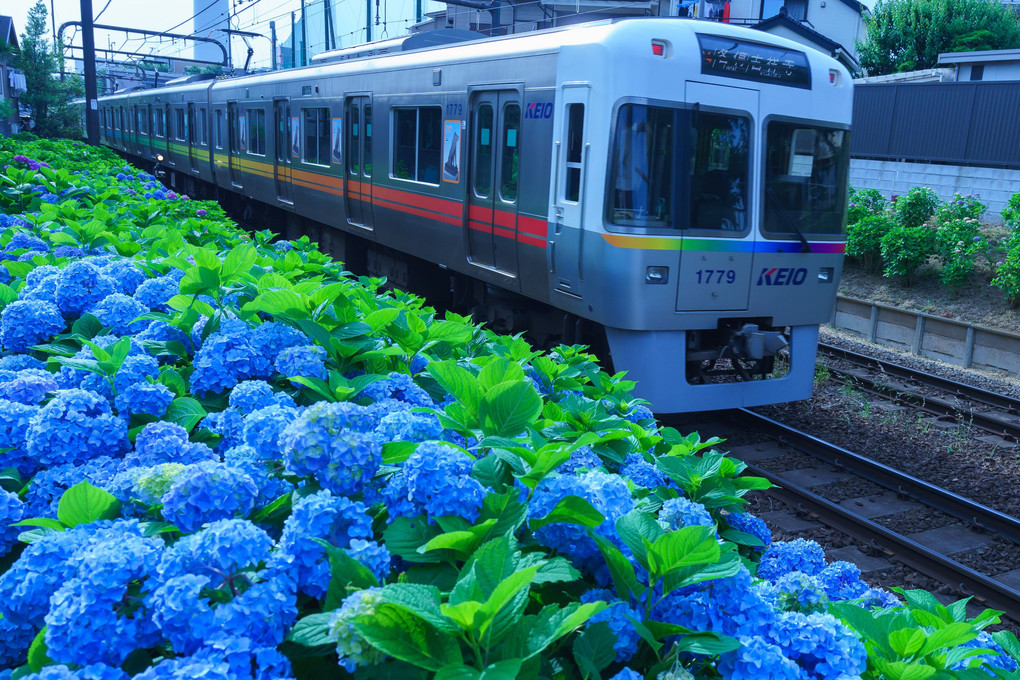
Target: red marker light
[(658, 48)]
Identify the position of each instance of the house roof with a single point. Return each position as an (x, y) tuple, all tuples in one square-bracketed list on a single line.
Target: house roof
[(7, 33), (812, 37), (979, 56)]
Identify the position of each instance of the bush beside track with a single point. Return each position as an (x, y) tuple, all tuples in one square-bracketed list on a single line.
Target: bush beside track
[(226, 457)]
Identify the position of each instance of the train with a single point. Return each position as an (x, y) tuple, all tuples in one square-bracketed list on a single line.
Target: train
[(674, 189)]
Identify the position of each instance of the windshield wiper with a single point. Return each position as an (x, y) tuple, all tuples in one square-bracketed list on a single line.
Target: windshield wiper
[(805, 246)]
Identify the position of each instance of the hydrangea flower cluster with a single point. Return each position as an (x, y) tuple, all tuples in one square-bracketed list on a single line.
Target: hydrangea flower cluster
[(435, 481)]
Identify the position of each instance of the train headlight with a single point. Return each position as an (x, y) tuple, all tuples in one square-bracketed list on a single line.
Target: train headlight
[(657, 275), (159, 158)]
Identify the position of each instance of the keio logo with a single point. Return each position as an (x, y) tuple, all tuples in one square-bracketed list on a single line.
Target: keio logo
[(539, 110), (782, 276)]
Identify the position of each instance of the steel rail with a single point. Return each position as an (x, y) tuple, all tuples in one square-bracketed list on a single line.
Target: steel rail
[(987, 591), (973, 513)]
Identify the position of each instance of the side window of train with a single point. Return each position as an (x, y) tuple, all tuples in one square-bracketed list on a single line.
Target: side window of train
[(483, 150), (315, 125), (257, 132), (575, 144), (641, 167), (218, 130), (511, 152), (417, 144), (143, 127), (203, 127), (180, 126)]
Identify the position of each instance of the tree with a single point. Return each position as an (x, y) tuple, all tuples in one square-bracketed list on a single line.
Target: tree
[(909, 35), (49, 98)]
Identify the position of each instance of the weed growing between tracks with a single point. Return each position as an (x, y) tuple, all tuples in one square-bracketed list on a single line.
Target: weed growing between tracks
[(230, 458)]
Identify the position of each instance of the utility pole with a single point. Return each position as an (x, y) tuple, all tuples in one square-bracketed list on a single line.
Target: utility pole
[(88, 41), (272, 33), (304, 35), (368, 20), (53, 23), (293, 41)]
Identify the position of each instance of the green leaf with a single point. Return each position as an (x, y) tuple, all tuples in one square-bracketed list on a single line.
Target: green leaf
[(345, 573), (620, 569), (453, 332), (238, 261), (172, 379), (84, 503), (593, 649), (381, 318), (200, 280), (459, 382), (570, 510), (396, 632), (312, 633), (708, 644), (282, 303), (906, 641), (87, 326), (463, 542), (46, 522), (421, 600), (500, 370), (685, 547), (404, 536), (37, 656), (276, 512), (186, 412), (635, 528), (509, 408), (553, 622), (952, 635), (397, 452), (508, 669)]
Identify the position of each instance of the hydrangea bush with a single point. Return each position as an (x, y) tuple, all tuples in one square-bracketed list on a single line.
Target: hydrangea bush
[(225, 457)]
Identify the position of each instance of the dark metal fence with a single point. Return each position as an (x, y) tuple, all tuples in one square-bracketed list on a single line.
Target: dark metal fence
[(971, 123)]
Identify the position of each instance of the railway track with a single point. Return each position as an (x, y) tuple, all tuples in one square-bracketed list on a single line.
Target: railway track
[(993, 413), (928, 552)]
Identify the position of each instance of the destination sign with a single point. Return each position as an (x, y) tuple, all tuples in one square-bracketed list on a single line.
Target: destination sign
[(733, 58)]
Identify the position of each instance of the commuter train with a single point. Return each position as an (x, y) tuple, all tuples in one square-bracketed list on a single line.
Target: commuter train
[(680, 185)]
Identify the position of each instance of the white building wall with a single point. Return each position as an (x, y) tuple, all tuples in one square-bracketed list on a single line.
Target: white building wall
[(994, 186), (838, 22), (1008, 70)]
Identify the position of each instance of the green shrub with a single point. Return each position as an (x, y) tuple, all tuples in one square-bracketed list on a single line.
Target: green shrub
[(1007, 271), (957, 242), (961, 207), (904, 249), (865, 202), (864, 240), (1011, 213), (917, 207)]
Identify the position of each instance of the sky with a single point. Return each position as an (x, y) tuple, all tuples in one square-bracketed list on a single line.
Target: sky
[(250, 15)]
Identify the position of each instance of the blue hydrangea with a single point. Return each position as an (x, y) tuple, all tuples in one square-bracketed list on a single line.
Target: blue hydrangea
[(68, 251), (20, 362), (333, 443), (606, 492), (44, 290), (228, 424), (14, 643), (683, 512), (14, 422), (49, 484), (225, 359), (165, 442), (271, 338), (405, 426), (334, 519), (96, 671), (74, 427), (756, 659), (161, 331), (749, 524), (729, 606), (621, 617), (144, 398), (435, 481), (627, 674), (25, 323), (120, 312), (399, 386), (879, 597), (582, 457), (997, 659), (252, 395), (207, 492), (641, 472), (137, 368), (90, 620), (786, 556), (271, 485), (262, 430), (798, 592), (22, 240), (842, 581), (822, 646), (81, 284), (141, 488), (419, 362), (125, 275), (12, 509), (154, 293), (224, 557), (307, 361), (353, 650), (29, 387)]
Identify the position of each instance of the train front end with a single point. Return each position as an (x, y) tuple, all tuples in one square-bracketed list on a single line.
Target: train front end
[(713, 250)]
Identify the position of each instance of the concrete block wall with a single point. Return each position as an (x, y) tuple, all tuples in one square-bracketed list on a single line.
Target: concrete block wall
[(995, 186)]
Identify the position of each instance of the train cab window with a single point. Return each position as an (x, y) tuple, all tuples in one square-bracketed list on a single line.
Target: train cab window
[(719, 154), (417, 144), (483, 151), (315, 124), (511, 152), (257, 132), (642, 167), (575, 137), (806, 169)]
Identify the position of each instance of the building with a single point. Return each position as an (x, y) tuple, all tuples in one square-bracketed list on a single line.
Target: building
[(12, 81), (983, 64)]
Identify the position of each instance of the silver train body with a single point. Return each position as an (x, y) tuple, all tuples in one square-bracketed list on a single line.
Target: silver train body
[(682, 184)]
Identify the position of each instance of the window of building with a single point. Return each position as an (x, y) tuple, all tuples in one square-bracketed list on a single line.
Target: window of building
[(417, 144), (977, 71), (315, 126), (257, 132)]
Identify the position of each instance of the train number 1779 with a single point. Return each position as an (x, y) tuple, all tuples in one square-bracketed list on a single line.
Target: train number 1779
[(716, 275)]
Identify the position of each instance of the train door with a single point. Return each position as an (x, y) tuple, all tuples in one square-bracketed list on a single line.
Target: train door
[(234, 147), (719, 277), (282, 172), (191, 132), (572, 148), (358, 163), (494, 163)]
